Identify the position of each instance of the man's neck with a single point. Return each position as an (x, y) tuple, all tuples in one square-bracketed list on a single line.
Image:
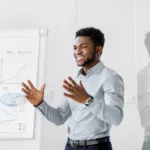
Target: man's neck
[(89, 66)]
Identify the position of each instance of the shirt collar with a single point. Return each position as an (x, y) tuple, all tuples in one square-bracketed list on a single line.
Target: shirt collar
[(94, 69)]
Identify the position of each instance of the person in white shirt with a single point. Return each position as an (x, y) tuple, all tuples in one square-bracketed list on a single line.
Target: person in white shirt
[(91, 106), (143, 87)]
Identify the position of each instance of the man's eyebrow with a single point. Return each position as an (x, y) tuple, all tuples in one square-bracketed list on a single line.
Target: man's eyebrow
[(84, 44), (81, 44)]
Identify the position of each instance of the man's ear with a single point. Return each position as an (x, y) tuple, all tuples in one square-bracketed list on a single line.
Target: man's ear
[(99, 50)]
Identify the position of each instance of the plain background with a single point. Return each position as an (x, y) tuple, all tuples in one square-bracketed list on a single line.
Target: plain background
[(124, 24)]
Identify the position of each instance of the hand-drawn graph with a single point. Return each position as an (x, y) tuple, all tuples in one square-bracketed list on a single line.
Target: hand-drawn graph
[(19, 77), (13, 104), (18, 63)]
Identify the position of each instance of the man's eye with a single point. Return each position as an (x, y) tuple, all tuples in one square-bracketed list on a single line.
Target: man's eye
[(84, 46)]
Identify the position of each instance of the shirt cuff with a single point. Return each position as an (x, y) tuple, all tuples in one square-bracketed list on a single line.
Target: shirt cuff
[(97, 107), (42, 105)]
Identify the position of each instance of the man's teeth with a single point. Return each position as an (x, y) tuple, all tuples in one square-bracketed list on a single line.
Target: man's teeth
[(78, 58)]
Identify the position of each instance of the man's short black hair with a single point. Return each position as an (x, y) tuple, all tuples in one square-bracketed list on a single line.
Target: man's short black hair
[(95, 34)]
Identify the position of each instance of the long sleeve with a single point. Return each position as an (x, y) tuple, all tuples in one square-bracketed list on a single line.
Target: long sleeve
[(58, 115), (110, 108)]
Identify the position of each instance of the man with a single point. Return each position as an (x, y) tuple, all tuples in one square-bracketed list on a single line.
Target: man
[(143, 95), (91, 106)]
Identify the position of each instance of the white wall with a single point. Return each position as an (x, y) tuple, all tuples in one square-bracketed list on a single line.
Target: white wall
[(142, 27), (57, 16), (116, 19)]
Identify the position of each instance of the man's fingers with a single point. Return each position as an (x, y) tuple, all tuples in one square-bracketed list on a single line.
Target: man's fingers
[(81, 84), (27, 97), (25, 86), (72, 81), (69, 95), (43, 88), (68, 84), (25, 91), (31, 85), (68, 89)]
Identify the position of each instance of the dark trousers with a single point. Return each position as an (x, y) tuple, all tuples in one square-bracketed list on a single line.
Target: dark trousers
[(101, 146)]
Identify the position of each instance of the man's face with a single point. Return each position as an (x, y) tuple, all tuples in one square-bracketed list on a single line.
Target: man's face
[(147, 42), (84, 51)]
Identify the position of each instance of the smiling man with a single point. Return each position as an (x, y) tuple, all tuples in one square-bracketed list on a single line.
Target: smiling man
[(92, 106)]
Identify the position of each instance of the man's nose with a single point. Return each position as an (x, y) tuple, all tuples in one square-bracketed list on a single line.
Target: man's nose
[(78, 51)]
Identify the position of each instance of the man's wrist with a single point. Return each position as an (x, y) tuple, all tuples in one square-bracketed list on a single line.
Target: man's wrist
[(38, 104), (89, 101)]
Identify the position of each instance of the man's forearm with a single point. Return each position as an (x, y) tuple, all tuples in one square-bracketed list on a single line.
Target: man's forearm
[(108, 113), (52, 114)]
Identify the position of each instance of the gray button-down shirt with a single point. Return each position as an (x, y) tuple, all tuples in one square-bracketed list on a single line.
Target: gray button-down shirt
[(94, 121)]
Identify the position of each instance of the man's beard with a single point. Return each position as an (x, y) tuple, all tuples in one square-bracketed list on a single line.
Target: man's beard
[(89, 59)]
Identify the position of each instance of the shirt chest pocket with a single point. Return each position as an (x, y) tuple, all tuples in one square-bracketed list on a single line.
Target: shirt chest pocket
[(93, 85), (75, 106)]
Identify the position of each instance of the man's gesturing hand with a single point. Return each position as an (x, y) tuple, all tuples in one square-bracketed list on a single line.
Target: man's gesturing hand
[(77, 92), (33, 95)]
